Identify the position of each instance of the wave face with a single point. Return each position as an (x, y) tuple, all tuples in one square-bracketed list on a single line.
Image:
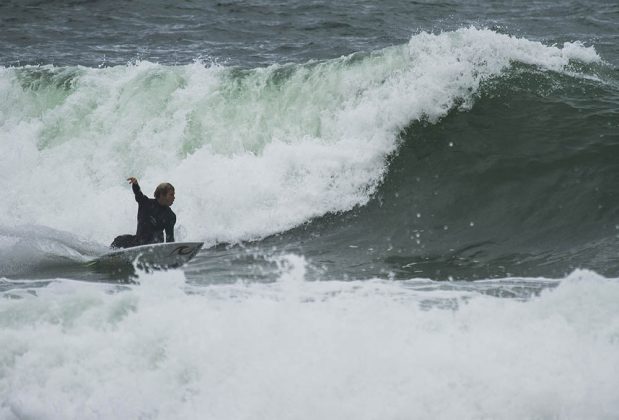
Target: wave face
[(471, 144)]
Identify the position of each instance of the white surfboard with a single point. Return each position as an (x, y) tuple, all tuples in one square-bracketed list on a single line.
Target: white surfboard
[(166, 255)]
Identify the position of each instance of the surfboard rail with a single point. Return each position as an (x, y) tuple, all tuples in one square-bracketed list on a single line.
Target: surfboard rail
[(164, 255)]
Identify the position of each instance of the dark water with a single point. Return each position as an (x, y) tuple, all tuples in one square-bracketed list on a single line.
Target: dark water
[(524, 182), (257, 33)]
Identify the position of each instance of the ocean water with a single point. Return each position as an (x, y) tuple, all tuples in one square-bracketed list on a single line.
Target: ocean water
[(409, 209)]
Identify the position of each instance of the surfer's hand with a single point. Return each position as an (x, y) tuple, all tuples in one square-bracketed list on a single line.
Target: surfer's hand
[(132, 180)]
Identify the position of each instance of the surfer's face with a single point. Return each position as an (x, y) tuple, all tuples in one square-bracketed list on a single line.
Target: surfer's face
[(167, 199)]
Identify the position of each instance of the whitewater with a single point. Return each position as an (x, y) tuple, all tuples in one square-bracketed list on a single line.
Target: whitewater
[(299, 349)]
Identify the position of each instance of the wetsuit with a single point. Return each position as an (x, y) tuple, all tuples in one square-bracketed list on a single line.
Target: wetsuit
[(153, 220)]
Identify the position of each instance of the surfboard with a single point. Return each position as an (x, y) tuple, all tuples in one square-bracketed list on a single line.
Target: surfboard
[(164, 255)]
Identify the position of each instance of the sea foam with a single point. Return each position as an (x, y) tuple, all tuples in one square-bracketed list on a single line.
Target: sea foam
[(299, 349)]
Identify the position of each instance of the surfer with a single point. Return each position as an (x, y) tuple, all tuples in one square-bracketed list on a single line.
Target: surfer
[(154, 217)]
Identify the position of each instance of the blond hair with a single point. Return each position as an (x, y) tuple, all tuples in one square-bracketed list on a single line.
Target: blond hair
[(163, 189)]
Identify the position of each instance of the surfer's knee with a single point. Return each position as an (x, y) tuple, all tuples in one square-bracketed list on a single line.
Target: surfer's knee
[(123, 241)]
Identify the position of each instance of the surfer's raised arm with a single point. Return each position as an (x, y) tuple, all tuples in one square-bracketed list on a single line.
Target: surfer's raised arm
[(137, 191)]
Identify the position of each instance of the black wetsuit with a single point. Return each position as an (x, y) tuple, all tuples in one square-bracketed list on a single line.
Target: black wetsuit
[(153, 220)]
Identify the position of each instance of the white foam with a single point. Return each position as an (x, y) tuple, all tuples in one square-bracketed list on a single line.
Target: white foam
[(250, 153), (297, 349)]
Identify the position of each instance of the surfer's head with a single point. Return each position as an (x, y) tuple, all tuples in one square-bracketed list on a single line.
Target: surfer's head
[(164, 194)]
